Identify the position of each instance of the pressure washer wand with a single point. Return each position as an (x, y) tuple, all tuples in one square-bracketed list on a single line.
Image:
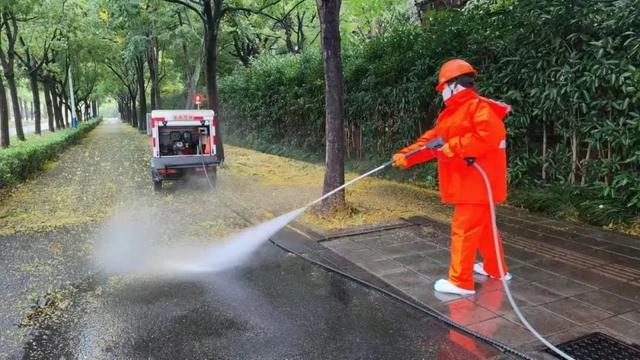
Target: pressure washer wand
[(431, 145), (349, 183)]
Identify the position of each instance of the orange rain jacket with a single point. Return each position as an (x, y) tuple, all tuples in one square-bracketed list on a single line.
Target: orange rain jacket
[(473, 127)]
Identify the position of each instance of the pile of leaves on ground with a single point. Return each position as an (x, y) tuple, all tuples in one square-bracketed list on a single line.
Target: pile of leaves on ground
[(25, 158), (568, 68)]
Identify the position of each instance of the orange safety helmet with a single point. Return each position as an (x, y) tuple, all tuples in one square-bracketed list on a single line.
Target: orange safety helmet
[(451, 70)]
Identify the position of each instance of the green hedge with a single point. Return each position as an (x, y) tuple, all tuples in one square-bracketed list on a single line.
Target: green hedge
[(570, 69), (22, 159)]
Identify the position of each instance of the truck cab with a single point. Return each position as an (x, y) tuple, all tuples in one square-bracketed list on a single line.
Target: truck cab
[(184, 141)]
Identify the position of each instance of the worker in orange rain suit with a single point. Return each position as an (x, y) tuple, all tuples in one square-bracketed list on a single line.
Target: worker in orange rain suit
[(471, 127)]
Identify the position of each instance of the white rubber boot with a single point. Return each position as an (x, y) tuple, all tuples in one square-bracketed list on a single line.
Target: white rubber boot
[(444, 286), (478, 268)]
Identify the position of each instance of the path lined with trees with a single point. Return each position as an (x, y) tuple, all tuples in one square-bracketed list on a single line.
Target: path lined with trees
[(350, 80)]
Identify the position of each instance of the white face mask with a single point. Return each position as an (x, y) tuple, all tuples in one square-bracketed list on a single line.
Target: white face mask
[(451, 89)]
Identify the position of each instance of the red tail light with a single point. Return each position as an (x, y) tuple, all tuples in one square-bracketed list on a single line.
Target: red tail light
[(156, 120)]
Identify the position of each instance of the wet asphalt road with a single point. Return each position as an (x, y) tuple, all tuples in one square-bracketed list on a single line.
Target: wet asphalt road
[(277, 306), (274, 306)]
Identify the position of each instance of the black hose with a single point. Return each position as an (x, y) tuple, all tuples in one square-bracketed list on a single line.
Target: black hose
[(439, 316)]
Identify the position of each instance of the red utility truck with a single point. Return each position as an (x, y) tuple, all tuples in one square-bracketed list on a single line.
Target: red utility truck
[(184, 141)]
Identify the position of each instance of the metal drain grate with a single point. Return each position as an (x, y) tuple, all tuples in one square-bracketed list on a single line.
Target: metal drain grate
[(598, 346)]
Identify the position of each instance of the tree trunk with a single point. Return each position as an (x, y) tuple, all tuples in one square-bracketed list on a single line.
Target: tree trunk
[(94, 109), (26, 111), (133, 112), (193, 81), (583, 167), (59, 120), (152, 61), (212, 21), (210, 70), (129, 114), (544, 152), (300, 36), (574, 157), (4, 117), (142, 115), (36, 101), (609, 177), (124, 109), (49, 106), (287, 38), (23, 109), (78, 111), (61, 112), (127, 110), (329, 11), (66, 112), (15, 101)]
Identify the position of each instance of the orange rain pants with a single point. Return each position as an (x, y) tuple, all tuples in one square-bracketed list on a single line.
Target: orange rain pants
[(471, 231)]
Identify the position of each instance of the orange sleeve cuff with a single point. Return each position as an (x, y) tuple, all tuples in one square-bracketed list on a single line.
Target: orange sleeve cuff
[(454, 146)]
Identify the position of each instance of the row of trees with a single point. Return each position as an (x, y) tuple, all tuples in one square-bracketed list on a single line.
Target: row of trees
[(40, 41), (133, 51), (162, 47)]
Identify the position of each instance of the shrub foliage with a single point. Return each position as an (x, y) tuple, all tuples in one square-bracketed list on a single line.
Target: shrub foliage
[(25, 158), (568, 68)]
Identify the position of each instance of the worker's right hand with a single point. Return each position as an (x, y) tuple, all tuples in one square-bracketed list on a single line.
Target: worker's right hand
[(399, 160)]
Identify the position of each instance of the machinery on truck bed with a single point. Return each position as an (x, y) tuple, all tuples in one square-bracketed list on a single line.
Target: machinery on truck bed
[(184, 141)]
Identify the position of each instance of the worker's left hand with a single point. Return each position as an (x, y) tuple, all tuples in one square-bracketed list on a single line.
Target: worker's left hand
[(444, 150), (399, 160)]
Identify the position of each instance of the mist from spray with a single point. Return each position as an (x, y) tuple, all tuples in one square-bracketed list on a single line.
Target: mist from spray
[(235, 249), (129, 245), (125, 246)]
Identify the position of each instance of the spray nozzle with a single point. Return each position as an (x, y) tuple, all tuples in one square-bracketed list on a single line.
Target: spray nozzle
[(431, 145)]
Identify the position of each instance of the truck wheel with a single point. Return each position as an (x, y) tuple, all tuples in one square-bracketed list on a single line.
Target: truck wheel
[(157, 185)]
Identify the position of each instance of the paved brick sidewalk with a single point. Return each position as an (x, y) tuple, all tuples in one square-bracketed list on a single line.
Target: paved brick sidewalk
[(569, 279)]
